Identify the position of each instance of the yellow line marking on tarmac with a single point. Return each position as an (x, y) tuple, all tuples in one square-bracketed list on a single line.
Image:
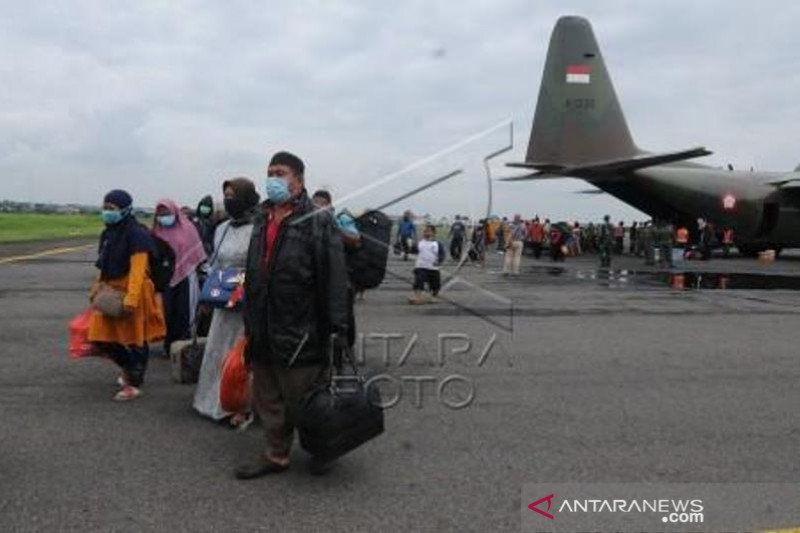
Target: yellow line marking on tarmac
[(54, 251), (783, 530)]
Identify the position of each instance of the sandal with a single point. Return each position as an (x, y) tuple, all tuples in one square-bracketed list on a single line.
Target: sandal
[(240, 421)]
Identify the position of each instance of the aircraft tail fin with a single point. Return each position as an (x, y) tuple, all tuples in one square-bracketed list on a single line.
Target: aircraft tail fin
[(578, 118)]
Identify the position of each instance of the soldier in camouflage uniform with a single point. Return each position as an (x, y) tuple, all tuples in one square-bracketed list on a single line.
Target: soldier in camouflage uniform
[(665, 240), (605, 242), (648, 242)]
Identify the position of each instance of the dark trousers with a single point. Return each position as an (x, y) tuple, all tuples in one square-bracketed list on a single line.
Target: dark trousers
[(556, 253), (351, 317), (277, 393), (407, 245), (605, 255), (432, 278), (176, 313), (131, 359), (666, 255), (456, 247)]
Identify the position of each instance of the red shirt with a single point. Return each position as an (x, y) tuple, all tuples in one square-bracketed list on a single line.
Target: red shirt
[(537, 232), (275, 218)]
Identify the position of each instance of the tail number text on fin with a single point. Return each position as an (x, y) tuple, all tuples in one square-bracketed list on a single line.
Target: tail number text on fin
[(579, 103)]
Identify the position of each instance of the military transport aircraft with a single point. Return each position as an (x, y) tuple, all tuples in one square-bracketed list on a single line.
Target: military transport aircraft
[(579, 131)]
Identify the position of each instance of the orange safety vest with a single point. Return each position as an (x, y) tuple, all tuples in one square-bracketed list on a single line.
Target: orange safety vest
[(683, 236)]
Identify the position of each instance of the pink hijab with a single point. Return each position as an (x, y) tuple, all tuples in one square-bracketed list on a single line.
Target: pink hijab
[(184, 240)]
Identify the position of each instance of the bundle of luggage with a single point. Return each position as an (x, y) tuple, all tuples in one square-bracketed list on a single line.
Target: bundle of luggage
[(186, 358)]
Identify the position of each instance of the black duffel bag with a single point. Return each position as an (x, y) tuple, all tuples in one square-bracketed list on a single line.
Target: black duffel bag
[(341, 414), (366, 264)]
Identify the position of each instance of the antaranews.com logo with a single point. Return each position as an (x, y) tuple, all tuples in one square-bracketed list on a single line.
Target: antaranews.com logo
[(671, 511), (664, 507)]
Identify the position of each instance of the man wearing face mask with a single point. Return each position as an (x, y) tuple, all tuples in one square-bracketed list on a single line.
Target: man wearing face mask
[(295, 299)]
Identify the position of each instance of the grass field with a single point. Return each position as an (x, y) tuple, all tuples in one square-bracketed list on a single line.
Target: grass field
[(22, 227)]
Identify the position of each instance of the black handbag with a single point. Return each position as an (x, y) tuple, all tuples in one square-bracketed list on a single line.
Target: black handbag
[(341, 414)]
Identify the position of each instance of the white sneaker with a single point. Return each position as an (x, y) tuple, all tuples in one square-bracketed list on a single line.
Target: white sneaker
[(127, 393)]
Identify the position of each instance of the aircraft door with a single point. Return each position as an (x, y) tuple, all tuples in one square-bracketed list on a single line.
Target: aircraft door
[(769, 217)]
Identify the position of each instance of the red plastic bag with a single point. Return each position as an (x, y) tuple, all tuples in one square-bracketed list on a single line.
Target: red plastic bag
[(79, 345), (234, 389)]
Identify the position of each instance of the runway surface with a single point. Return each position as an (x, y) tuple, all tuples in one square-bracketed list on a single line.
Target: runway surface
[(588, 376)]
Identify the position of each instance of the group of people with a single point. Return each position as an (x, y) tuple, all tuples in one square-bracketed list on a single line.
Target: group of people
[(296, 304), (654, 240)]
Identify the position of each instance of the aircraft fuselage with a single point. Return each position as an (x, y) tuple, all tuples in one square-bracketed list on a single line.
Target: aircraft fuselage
[(742, 200)]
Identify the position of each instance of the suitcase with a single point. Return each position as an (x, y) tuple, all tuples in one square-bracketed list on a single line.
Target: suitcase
[(186, 357), (340, 414)]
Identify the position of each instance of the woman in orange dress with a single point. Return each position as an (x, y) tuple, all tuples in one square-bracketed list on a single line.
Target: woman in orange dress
[(124, 273)]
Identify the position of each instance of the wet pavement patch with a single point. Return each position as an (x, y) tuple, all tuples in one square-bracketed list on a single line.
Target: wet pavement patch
[(728, 281), (679, 280)]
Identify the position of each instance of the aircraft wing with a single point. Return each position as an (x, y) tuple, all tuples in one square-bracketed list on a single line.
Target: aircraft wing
[(533, 176), (789, 188), (594, 169), (787, 184)]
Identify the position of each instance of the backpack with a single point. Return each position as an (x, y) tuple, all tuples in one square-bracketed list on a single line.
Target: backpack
[(162, 263), (366, 264)]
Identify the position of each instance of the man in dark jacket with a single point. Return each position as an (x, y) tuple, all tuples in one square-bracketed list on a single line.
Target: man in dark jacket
[(295, 306)]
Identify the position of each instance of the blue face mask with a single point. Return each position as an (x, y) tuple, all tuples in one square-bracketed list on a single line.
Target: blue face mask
[(111, 217), (205, 210), (278, 190), (166, 221)]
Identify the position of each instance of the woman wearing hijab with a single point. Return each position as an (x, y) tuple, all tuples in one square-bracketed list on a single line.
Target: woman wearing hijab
[(180, 299), (204, 222), (124, 334), (231, 241)]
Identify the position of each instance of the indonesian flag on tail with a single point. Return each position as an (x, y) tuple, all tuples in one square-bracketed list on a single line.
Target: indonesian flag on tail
[(579, 74)]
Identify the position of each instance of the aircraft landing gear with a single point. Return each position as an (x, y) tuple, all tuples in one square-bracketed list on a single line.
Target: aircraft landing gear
[(752, 250), (748, 250)]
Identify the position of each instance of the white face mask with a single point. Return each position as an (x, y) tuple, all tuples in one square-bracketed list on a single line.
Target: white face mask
[(166, 221)]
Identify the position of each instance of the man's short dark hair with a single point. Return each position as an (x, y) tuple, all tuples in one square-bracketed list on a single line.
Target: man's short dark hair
[(291, 161), (324, 195)]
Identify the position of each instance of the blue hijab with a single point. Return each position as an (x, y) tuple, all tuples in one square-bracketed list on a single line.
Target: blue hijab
[(120, 241)]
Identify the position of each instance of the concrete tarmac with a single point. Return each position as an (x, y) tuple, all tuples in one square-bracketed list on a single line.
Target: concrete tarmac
[(575, 374)]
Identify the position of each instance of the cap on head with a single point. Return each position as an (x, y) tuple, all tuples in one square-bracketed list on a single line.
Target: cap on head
[(291, 161), (119, 198), (324, 195)]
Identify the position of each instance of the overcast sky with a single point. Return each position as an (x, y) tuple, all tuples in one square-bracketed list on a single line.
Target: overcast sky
[(166, 99)]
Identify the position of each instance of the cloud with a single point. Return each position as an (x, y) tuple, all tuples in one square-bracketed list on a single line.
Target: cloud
[(166, 99)]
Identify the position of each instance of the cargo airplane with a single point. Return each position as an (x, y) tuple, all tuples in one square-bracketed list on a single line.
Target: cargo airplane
[(579, 131)]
